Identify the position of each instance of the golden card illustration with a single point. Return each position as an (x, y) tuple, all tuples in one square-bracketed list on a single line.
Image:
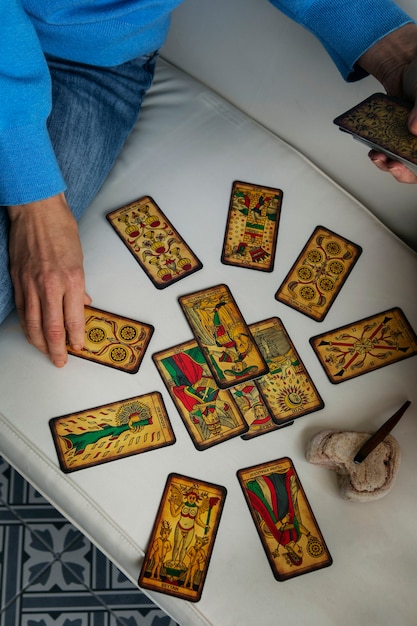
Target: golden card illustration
[(380, 122), (223, 336), (286, 525), (153, 241), (365, 345), (254, 410), (287, 389), (252, 226), (319, 273), (209, 413), (113, 340), (182, 539), (111, 431)]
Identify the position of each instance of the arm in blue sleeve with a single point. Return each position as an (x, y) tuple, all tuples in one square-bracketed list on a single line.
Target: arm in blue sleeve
[(346, 29), (28, 167)]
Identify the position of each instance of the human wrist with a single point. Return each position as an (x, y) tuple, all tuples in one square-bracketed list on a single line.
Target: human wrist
[(389, 57), (37, 207)]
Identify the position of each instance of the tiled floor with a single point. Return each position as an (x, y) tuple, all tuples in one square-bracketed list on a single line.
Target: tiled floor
[(51, 575)]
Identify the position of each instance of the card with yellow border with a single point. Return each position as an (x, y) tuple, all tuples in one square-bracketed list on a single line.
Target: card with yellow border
[(182, 539), (111, 431), (287, 389), (254, 410), (223, 336), (365, 345), (285, 522), (252, 226), (210, 414), (154, 242), (113, 340), (319, 273)]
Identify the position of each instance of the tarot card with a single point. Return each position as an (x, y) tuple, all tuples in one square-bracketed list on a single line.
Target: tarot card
[(319, 273), (182, 539), (283, 518), (209, 413), (380, 122), (365, 345), (111, 431), (153, 241), (287, 389), (252, 226), (113, 340), (223, 336), (254, 410)]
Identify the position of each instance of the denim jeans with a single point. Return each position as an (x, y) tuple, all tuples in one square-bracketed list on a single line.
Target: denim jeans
[(93, 111)]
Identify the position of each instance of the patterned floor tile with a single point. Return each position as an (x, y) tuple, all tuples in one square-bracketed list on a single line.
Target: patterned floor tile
[(51, 575)]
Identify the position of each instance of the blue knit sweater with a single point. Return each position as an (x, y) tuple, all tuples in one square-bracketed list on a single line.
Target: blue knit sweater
[(346, 28), (108, 32)]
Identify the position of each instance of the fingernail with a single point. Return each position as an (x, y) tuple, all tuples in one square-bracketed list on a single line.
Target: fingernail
[(77, 346), (59, 363), (377, 160)]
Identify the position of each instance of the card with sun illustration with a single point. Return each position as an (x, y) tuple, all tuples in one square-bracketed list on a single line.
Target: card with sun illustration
[(287, 389)]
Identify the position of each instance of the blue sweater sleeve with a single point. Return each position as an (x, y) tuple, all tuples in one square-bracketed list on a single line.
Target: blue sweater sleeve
[(346, 29), (28, 167), (100, 32)]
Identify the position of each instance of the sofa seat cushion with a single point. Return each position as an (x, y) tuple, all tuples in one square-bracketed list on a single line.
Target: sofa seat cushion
[(186, 150)]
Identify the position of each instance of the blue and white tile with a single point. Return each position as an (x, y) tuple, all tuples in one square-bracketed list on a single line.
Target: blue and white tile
[(51, 574)]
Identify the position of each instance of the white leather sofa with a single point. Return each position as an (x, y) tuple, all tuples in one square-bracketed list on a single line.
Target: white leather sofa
[(188, 147), (279, 74)]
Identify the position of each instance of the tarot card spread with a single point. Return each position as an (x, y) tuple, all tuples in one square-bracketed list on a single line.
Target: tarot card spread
[(365, 345), (182, 539), (113, 340), (287, 389), (209, 413), (319, 273), (223, 336), (154, 242), (283, 518), (111, 431), (252, 226), (380, 121)]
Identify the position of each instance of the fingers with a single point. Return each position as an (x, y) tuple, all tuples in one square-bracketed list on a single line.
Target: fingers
[(393, 62), (64, 318), (52, 332), (46, 266), (52, 317), (399, 171), (30, 315), (74, 318)]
